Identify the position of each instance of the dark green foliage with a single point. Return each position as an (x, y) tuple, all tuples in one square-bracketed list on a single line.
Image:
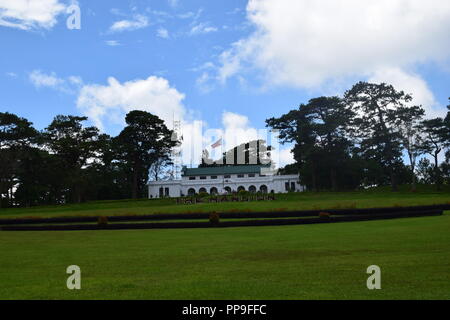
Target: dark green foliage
[(434, 141), (377, 109), (358, 142), (322, 147), (69, 162), (141, 143)]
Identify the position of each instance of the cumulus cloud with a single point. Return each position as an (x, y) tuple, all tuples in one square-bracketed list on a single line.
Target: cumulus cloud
[(286, 157), (112, 101), (138, 22), (304, 43), (28, 15)]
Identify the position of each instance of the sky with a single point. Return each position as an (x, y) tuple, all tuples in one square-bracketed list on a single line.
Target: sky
[(220, 67)]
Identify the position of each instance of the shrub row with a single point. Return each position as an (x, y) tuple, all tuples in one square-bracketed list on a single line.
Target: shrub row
[(214, 222), (225, 215)]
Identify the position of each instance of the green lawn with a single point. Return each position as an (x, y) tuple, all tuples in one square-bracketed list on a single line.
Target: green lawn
[(293, 262), (287, 202), (326, 261)]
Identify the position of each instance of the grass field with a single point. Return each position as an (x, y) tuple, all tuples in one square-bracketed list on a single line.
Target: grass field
[(283, 202), (290, 262)]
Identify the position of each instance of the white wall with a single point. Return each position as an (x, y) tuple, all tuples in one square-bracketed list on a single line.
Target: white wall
[(275, 183)]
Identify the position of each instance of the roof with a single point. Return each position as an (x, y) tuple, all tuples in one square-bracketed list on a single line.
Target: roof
[(224, 170)]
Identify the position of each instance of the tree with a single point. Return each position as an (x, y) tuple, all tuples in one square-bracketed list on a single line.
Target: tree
[(447, 127), (140, 144), (159, 169), (376, 107), (425, 171), (319, 130), (294, 127), (434, 141), (17, 136), (407, 122), (74, 145)]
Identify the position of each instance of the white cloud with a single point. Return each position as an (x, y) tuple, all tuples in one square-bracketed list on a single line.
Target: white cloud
[(112, 101), (413, 84), (162, 33), (28, 15), (106, 105), (40, 79), (286, 157), (202, 28), (50, 80), (75, 80), (304, 43), (237, 130), (138, 22)]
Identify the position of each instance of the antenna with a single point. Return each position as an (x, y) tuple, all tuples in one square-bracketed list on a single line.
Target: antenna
[(177, 159)]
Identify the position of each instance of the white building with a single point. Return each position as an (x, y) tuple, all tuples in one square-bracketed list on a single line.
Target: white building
[(226, 179)]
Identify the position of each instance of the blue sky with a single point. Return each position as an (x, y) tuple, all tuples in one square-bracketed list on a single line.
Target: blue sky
[(231, 64)]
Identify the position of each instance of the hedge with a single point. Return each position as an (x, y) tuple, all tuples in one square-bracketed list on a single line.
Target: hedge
[(226, 224)]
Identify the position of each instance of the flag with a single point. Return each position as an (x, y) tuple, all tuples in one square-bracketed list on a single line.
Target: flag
[(217, 144)]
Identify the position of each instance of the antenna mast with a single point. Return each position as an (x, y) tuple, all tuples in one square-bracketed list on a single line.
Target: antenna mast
[(176, 152)]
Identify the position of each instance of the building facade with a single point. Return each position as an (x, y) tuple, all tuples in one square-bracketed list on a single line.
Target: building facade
[(226, 179)]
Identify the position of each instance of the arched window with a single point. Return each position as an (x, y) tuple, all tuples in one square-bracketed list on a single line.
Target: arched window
[(228, 189), (240, 188), (213, 191), (202, 190), (191, 192), (252, 189), (263, 188)]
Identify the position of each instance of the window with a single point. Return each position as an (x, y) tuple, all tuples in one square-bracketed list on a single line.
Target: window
[(227, 176), (292, 186), (191, 178), (262, 175), (167, 192), (240, 176), (202, 178), (213, 177), (251, 175), (286, 186)]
